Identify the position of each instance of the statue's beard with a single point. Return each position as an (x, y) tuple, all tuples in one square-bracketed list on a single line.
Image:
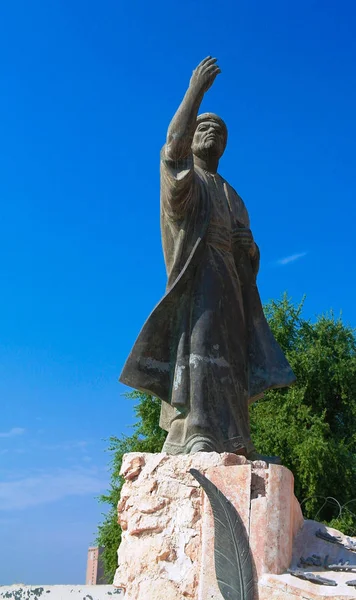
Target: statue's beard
[(207, 149)]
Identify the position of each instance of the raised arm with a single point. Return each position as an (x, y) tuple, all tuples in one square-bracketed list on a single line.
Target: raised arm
[(181, 129)]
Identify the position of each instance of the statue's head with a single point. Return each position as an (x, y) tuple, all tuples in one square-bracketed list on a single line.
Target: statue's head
[(210, 136)]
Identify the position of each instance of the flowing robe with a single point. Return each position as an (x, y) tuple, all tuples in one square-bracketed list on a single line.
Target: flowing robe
[(206, 350)]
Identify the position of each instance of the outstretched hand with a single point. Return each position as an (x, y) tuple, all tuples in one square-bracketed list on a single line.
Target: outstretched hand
[(204, 75)]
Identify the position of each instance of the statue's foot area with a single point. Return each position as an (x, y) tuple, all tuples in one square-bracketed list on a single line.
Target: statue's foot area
[(197, 443), (272, 460), (201, 447), (205, 443)]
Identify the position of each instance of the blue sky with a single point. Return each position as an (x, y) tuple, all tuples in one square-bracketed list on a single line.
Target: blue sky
[(87, 90)]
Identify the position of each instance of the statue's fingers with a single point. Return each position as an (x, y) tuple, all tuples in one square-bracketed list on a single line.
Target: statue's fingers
[(205, 60), (209, 62), (212, 74), (216, 71), (211, 68)]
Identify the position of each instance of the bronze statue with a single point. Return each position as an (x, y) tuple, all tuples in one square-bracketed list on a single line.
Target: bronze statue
[(206, 349)]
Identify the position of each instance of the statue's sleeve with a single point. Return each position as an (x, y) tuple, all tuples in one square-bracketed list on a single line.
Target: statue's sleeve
[(241, 213), (237, 205), (255, 261), (177, 184), (242, 217)]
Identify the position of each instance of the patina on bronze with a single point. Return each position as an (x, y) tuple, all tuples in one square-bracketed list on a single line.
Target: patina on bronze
[(206, 349)]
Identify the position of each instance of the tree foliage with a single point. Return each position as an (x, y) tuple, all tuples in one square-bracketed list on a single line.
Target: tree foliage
[(311, 426)]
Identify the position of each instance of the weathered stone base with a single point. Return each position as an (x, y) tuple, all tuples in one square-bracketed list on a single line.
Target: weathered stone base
[(167, 547), (160, 512)]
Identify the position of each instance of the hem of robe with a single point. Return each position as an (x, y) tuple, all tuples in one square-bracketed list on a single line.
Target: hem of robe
[(235, 445)]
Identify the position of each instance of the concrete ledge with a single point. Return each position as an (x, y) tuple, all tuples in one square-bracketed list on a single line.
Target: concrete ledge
[(60, 592)]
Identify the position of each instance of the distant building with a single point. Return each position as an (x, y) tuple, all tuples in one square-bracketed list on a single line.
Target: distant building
[(95, 567)]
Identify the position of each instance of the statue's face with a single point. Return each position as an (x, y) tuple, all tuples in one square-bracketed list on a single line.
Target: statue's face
[(209, 140)]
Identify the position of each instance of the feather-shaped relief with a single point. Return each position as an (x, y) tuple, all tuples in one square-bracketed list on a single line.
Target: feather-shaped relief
[(233, 561)]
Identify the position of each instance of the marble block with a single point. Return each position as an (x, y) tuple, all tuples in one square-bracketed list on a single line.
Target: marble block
[(167, 547)]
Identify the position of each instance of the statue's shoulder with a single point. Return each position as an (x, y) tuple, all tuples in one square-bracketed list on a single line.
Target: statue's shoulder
[(176, 169)]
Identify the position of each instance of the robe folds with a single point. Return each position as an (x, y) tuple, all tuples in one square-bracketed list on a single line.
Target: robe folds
[(206, 350)]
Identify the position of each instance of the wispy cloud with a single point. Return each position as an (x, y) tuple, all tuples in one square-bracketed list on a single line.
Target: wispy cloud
[(73, 448), (12, 433), (43, 488), (66, 445), (292, 258)]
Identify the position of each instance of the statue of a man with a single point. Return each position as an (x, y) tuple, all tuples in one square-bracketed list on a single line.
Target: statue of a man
[(206, 350)]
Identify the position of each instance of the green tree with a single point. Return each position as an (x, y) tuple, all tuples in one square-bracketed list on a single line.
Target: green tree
[(311, 426)]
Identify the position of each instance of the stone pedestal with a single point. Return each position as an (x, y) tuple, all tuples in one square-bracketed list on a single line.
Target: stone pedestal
[(167, 548)]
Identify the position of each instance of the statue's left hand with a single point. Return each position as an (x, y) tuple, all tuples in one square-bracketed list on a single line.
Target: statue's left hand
[(243, 238)]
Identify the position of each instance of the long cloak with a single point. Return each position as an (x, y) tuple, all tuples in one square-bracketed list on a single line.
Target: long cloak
[(187, 195)]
